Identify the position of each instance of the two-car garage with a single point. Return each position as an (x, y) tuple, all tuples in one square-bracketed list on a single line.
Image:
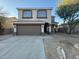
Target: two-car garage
[(28, 29)]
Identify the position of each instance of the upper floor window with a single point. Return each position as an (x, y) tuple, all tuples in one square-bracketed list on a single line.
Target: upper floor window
[(27, 14), (41, 14)]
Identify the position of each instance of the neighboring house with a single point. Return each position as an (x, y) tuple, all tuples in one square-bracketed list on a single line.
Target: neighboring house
[(8, 24), (77, 29), (33, 21), (54, 24)]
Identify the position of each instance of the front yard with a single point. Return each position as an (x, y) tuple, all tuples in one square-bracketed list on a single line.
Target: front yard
[(65, 41)]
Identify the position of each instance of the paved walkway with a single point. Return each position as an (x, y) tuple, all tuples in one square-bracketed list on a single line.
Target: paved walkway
[(22, 47)]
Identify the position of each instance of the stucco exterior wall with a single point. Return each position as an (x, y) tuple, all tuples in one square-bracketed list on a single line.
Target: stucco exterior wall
[(34, 15), (77, 28)]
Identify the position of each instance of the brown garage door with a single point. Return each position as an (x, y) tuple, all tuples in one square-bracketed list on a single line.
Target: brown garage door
[(28, 29)]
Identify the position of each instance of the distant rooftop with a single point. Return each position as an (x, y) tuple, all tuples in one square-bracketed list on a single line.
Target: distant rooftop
[(36, 8)]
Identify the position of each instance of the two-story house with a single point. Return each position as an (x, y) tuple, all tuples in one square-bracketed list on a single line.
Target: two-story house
[(33, 21)]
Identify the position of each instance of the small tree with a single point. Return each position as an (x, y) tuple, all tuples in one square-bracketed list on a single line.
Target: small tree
[(70, 14)]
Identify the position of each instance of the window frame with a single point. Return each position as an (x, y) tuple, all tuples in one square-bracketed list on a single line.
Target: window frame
[(41, 10), (26, 17)]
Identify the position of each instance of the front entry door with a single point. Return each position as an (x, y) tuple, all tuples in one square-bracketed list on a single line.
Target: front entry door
[(46, 28)]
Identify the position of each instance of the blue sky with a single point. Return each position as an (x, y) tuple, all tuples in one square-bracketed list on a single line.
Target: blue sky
[(11, 5)]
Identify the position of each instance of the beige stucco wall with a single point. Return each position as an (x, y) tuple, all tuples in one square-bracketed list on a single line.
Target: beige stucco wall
[(34, 14), (77, 28)]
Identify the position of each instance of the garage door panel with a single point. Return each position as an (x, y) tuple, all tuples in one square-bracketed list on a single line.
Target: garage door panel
[(28, 29)]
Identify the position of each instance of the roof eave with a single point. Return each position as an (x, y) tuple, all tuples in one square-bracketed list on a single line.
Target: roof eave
[(50, 8)]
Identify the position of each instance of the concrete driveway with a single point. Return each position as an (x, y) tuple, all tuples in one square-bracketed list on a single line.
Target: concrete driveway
[(22, 47)]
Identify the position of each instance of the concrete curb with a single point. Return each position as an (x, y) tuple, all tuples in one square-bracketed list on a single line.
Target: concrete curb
[(43, 49)]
